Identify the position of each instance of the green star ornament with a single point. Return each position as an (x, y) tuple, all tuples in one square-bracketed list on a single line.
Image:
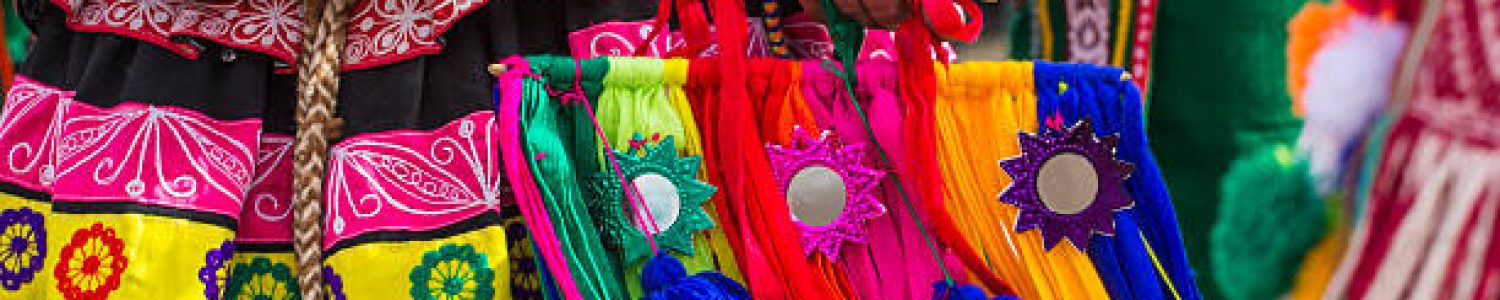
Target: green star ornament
[(668, 185)]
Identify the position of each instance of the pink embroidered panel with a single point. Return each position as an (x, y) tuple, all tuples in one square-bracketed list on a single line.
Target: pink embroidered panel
[(28, 125), (380, 31), (413, 180), (273, 27), (154, 155), (267, 215), (387, 31), (619, 38)]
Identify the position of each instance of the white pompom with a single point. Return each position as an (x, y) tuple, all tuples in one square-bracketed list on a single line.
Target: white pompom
[(1349, 81)]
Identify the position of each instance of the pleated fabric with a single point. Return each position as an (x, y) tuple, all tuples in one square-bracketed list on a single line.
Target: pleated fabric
[(980, 109), (642, 97), (895, 263), (674, 79), (775, 90), (1145, 258), (547, 136), (512, 88), (756, 216)]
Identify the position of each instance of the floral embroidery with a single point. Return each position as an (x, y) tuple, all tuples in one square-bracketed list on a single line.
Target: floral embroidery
[(1085, 186), (273, 27), (333, 284), (262, 279), (851, 165), (23, 246), (453, 272), (380, 31), (91, 264), (386, 31), (215, 271), (674, 229)]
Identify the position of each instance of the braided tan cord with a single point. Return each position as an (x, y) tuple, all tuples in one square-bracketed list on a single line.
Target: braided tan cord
[(317, 91)]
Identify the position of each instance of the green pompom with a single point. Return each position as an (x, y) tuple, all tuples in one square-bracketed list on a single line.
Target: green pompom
[(1269, 219)]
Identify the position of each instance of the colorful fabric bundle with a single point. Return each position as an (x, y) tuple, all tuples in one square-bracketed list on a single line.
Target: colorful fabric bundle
[(721, 176), (644, 109), (794, 99), (892, 236), (855, 253), (1147, 244), (971, 105)]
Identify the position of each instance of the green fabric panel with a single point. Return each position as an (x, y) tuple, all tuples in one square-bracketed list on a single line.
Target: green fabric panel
[(1219, 89), (1021, 31), (579, 129), (1057, 19), (636, 102), (16, 34), (550, 137)]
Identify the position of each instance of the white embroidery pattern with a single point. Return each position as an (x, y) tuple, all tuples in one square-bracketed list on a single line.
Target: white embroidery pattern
[(266, 25), (621, 38), (454, 170), (381, 31), (1088, 31), (273, 27), (169, 152), (28, 159), (270, 197)]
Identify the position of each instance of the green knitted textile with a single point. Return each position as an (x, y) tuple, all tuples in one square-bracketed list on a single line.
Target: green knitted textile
[(1270, 217), (1219, 89)]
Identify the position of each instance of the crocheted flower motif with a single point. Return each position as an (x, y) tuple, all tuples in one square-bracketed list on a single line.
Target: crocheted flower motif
[(23, 246), (849, 162), (660, 165), (453, 272), (91, 264), (333, 284), (215, 270), (262, 279), (1067, 184)]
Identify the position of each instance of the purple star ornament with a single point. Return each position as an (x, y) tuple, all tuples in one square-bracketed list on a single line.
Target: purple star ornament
[(1067, 184)]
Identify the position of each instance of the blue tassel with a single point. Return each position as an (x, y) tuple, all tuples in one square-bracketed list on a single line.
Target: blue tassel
[(941, 290), (664, 278)]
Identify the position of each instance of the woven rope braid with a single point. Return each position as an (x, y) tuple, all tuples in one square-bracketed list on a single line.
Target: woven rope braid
[(317, 91)]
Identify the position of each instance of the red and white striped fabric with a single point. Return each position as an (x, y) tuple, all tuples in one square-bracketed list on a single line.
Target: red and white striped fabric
[(1428, 229)]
